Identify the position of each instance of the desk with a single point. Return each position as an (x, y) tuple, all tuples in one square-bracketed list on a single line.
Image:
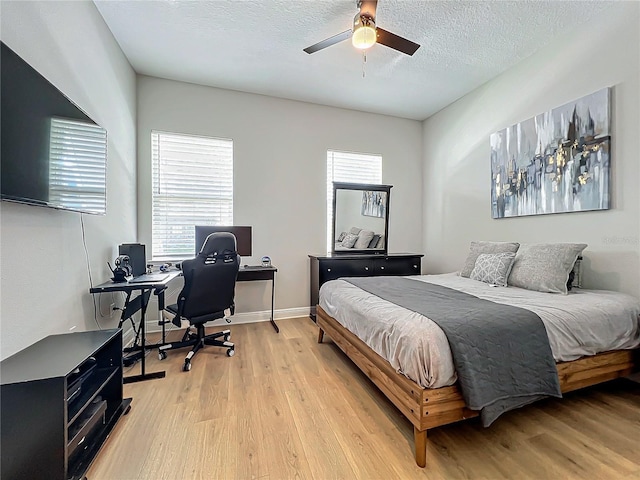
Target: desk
[(260, 273), (140, 302), (131, 306)]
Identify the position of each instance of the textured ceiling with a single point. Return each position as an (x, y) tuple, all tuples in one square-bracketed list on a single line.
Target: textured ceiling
[(256, 46)]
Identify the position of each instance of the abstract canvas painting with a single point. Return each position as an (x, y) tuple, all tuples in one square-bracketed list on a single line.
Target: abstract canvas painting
[(555, 162)]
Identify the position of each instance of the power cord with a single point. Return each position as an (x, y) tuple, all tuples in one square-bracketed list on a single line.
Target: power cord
[(86, 256)]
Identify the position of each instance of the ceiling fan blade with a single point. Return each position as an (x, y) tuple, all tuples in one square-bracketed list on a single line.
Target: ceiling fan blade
[(329, 41), (392, 40)]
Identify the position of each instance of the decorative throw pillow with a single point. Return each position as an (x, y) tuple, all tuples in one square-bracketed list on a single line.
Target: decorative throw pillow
[(478, 248), (364, 238), (545, 267), (354, 230), (349, 240), (341, 236), (493, 268), (374, 241)]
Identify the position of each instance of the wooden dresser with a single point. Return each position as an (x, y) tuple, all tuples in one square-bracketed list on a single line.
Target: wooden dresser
[(330, 267)]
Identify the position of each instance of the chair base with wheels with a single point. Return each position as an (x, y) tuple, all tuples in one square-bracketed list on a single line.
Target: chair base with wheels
[(197, 339)]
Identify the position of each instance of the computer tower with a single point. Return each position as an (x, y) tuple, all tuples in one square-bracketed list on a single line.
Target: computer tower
[(137, 257)]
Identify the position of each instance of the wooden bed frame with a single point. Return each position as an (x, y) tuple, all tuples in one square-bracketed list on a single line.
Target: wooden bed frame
[(430, 408)]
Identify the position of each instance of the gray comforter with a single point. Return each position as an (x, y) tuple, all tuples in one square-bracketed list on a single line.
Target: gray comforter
[(501, 353)]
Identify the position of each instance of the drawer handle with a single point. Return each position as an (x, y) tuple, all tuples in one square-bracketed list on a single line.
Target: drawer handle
[(382, 268), (415, 266), (366, 268), (328, 269)]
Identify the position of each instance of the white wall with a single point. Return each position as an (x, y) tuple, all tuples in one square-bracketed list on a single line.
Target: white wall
[(280, 154), (605, 52), (44, 272)]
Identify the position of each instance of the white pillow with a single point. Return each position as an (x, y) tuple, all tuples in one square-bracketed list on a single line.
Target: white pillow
[(493, 268), (364, 239)]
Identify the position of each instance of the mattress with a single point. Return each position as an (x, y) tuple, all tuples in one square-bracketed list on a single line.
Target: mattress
[(584, 322)]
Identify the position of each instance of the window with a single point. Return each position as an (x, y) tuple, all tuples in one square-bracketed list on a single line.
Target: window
[(192, 185), (353, 168)]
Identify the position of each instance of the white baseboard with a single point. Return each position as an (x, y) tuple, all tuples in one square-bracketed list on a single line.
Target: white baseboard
[(238, 318)]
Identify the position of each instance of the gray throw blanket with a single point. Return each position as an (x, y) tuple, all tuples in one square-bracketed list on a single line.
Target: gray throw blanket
[(501, 353)]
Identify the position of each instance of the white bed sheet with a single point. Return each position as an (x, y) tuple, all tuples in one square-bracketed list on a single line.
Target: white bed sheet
[(584, 322)]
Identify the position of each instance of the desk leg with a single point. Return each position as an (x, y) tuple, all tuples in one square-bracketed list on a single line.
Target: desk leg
[(160, 309), (273, 291), (143, 375)]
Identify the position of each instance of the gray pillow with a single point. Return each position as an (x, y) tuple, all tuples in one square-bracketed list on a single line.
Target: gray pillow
[(364, 238), (355, 230), (478, 248), (349, 240), (341, 236), (374, 241), (493, 268), (544, 267)]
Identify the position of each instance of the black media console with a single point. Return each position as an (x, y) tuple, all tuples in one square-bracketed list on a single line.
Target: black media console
[(60, 399)]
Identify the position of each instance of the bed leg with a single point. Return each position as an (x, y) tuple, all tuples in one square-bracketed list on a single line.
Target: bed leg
[(320, 335), (420, 440)]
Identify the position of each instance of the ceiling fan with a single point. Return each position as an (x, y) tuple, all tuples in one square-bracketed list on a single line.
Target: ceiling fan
[(365, 34)]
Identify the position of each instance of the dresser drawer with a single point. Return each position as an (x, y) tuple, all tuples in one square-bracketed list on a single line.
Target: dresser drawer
[(331, 270), (398, 266)]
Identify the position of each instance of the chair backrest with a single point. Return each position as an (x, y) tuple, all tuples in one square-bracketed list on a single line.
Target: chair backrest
[(210, 279)]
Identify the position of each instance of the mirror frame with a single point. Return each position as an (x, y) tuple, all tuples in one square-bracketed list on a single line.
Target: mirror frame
[(360, 187)]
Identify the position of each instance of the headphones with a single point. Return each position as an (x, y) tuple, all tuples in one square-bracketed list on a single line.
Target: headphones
[(123, 269)]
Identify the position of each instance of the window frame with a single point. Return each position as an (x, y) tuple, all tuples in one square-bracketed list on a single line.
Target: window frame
[(198, 165)]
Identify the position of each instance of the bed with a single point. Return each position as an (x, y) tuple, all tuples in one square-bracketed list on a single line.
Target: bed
[(593, 336)]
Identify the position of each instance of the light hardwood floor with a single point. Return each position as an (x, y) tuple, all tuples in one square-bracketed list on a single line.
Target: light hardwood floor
[(286, 407)]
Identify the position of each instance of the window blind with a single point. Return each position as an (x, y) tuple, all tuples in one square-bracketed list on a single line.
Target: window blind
[(77, 166), (353, 168), (192, 185)]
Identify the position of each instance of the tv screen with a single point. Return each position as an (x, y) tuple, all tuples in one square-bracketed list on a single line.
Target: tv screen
[(242, 234), (52, 153)]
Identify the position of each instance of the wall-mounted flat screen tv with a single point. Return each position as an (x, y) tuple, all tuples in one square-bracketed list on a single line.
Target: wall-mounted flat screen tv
[(52, 153)]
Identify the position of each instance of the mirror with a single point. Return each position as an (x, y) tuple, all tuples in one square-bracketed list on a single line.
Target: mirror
[(360, 218)]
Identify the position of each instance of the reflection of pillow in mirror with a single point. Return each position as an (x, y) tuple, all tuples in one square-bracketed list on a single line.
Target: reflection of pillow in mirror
[(380, 242), (341, 237), (349, 240), (364, 239), (374, 241), (355, 230)]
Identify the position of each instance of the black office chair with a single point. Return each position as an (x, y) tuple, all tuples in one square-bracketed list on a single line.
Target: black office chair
[(208, 294)]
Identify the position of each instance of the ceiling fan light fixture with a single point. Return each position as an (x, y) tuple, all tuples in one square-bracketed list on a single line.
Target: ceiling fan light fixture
[(364, 32)]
